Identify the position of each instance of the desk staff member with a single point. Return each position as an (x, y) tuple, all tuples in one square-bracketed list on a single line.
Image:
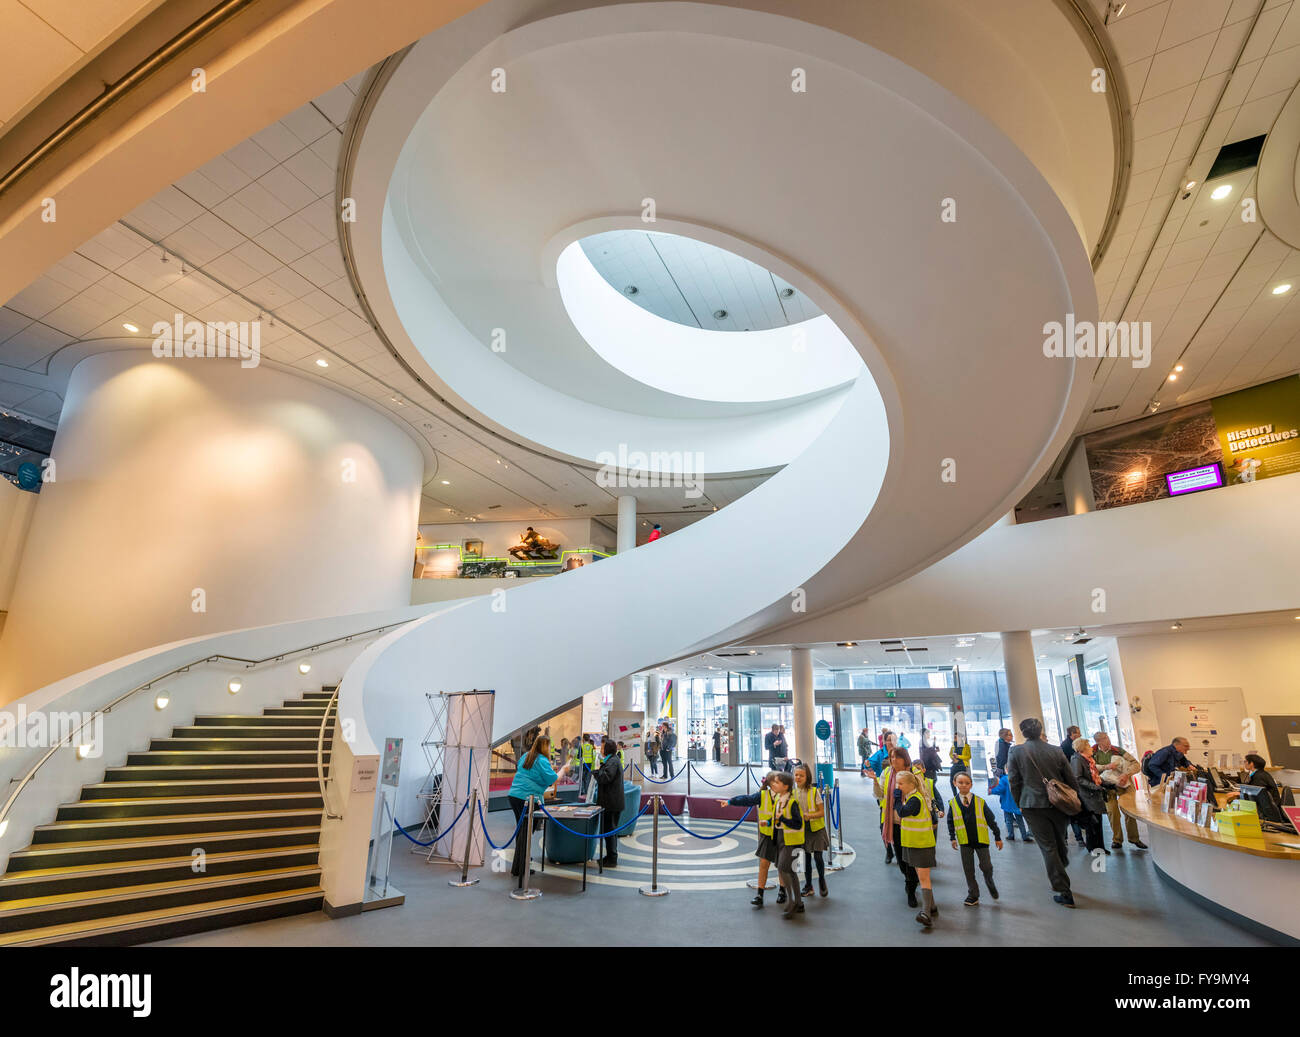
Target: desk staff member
[(1163, 762), (534, 777), (1262, 779)]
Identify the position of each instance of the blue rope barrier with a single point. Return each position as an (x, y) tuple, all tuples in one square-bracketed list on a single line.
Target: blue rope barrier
[(706, 838), (601, 835), (437, 838), (711, 784), (653, 781), (835, 807), (488, 837)]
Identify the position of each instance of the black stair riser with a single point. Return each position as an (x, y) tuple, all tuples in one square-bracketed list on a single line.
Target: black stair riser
[(53, 857), (311, 731), (209, 773), (165, 930), (276, 721), (90, 881), (92, 810), (201, 759), (243, 787), (201, 744), (146, 828), (64, 914)]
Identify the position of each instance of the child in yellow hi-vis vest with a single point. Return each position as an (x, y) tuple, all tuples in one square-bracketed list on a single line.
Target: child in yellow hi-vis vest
[(969, 823), (780, 836), (917, 837), (815, 835)]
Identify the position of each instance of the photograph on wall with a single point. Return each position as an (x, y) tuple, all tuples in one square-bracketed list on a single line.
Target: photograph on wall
[(1128, 463)]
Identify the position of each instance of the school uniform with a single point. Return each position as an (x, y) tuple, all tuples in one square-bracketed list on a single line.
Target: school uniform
[(969, 823)]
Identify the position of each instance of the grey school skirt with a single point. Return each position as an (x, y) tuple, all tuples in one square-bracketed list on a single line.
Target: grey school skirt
[(919, 856)]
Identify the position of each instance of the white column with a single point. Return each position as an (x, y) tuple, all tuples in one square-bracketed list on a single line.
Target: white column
[(622, 700), (626, 523), (804, 745), (653, 689), (1078, 482), (1022, 677)]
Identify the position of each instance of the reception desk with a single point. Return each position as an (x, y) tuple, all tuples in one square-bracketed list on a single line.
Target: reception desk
[(1253, 881)]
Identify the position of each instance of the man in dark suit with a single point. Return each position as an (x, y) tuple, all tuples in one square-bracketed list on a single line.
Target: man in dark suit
[(1029, 765)]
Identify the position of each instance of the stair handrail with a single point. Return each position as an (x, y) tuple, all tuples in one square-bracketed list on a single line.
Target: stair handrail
[(186, 667), (320, 756)]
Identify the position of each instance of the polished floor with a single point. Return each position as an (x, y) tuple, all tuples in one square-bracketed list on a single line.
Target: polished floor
[(1122, 902)]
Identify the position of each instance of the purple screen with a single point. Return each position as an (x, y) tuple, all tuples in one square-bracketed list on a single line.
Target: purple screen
[(1206, 477)]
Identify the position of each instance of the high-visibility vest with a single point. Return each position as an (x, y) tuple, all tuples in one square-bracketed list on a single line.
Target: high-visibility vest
[(588, 754), (766, 811), (793, 836), (919, 771), (812, 799), (622, 759), (959, 822), (916, 831)]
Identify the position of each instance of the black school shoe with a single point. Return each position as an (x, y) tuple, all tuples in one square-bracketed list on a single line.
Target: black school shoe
[(1064, 899), (758, 900), (780, 896), (971, 902), (993, 890)]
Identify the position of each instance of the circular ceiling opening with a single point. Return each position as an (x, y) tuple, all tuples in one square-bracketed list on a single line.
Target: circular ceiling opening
[(695, 320)]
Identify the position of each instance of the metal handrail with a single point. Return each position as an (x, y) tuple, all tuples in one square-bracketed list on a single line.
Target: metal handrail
[(320, 756), (248, 664)]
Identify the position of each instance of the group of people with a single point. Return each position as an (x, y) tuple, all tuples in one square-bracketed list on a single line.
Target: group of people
[(791, 820), (659, 748)]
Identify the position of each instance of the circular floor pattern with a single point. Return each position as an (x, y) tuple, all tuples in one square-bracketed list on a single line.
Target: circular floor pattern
[(685, 864)]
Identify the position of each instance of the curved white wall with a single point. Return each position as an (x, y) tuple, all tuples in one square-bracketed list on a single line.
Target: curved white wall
[(173, 475)]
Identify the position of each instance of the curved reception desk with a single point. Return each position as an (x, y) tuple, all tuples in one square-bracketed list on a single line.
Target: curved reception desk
[(1255, 882)]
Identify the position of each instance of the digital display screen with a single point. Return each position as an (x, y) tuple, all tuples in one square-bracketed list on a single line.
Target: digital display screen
[(1206, 477)]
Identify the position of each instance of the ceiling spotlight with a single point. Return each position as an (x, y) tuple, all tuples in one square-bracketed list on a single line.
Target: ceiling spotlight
[(1189, 185), (446, 482), (1178, 367), (304, 668), (786, 293), (719, 314), (1177, 626), (130, 327), (161, 701), (1281, 289), (234, 686), (1173, 377), (631, 290), (322, 362), (1221, 192), (1120, 9), (753, 652)]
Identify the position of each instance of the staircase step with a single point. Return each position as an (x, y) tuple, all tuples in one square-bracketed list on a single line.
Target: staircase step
[(233, 720), (104, 851), (62, 909), (116, 829), (259, 731), (162, 806), (172, 921), (250, 786), (193, 772), (222, 742), (85, 878), (219, 757)]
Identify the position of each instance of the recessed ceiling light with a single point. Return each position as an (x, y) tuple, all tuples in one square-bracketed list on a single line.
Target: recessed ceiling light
[(1281, 289), (1221, 192), (631, 290), (1189, 185), (719, 314), (322, 362), (1178, 367), (446, 482), (786, 293), (130, 327), (1177, 626), (1173, 377)]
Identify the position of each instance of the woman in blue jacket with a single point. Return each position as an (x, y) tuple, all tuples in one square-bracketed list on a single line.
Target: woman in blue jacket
[(533, 778), (1010, 811)]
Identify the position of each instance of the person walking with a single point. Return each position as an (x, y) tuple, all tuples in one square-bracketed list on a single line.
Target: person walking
[(879, 768), (652, 752), (610, 796), (900, 761), (865, 748), (768, 852), (958, 759), (969, 822), (1104, 754), (1004, 747), (717, 744), (1030, 766), (534, 778), (916, 819), (667, 743), (816, 838), (780, 748), (1091, 795), (1011, 815), (930, 760)]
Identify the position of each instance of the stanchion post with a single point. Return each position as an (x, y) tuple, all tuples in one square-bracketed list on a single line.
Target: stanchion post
[(465, 880), (526, 892), (747, 774), (689, 765), (839, 834), (653, 889)]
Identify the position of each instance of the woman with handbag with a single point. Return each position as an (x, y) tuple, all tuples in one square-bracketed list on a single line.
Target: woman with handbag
[(1091, 795)]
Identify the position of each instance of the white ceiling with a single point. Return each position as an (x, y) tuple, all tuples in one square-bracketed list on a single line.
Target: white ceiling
[(688, 281)]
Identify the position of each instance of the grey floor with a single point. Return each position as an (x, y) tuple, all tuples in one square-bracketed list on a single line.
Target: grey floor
[(1127, 904)]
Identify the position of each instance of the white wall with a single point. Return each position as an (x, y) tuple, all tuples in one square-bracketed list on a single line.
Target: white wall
[(174, 475), (16, 510), (1264, 662)]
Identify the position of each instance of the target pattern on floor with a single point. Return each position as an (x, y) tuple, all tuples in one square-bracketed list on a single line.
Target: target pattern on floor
[(685, 863)]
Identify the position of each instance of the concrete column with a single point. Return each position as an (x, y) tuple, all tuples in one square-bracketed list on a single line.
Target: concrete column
[(804, 743), (1022, 678), (626, 523), (622, 700), (653, 689)]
